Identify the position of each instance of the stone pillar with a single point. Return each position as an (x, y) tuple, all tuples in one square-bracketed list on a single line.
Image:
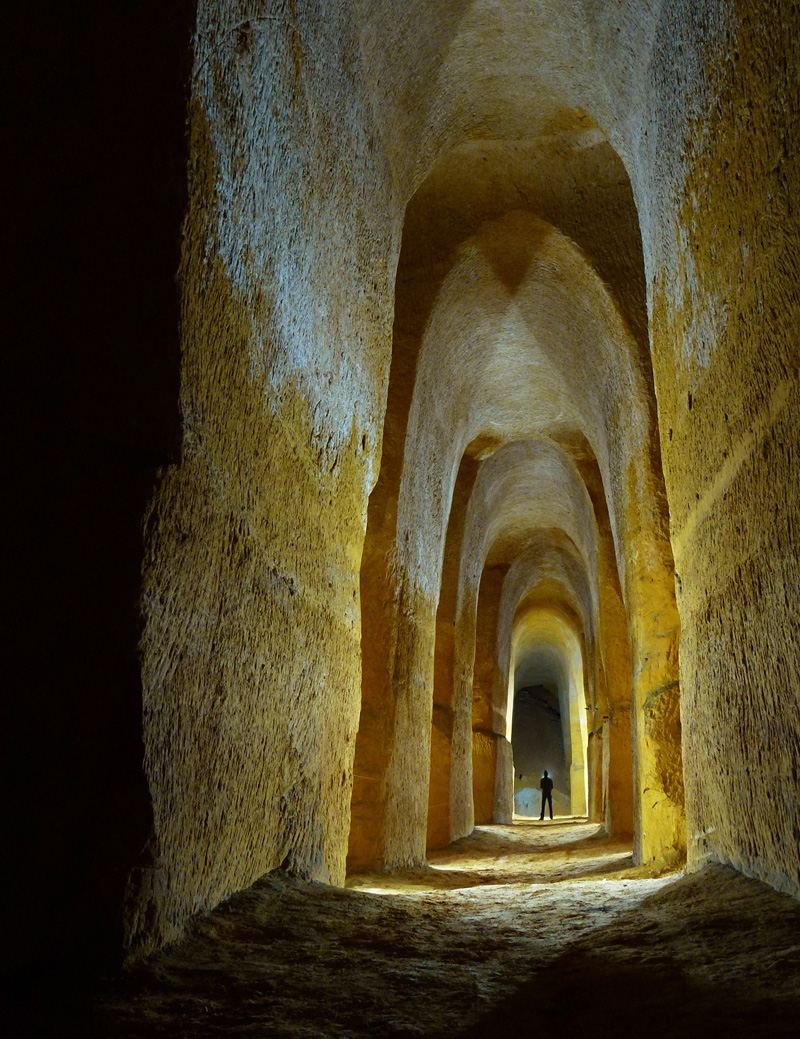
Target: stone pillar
[(484, 775), (440, 831), (617, 739), (504, 782), (488, 718), (251, 649)]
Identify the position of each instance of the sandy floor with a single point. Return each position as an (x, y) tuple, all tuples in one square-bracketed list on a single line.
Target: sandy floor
[(507, 933)]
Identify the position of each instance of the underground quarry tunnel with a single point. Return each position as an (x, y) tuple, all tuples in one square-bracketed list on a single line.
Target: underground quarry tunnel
[(408, 403)]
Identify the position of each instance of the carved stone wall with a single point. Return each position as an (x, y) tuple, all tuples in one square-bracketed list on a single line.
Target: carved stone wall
[(309, 136)]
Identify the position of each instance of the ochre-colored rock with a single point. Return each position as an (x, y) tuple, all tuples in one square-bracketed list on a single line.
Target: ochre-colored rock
[(459, 280)]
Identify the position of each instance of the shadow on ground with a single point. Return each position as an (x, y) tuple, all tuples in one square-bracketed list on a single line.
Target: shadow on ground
[(589, 995), (713, 953), (709, 954)]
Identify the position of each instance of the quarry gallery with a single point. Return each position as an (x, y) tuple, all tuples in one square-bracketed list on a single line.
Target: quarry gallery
[(438, 424)]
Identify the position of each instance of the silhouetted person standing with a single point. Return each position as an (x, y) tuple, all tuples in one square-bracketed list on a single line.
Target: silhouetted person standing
[(546, 786)]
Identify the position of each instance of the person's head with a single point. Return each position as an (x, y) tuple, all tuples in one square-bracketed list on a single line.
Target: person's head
[(545, 772)]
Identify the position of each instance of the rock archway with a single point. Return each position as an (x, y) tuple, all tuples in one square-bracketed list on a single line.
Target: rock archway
[(484, 349), (529, 196), (517, 396)]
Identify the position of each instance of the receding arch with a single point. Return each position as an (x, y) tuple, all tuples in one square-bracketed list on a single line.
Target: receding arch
[(302, 170), (549, 651), (547, 601), (523, 487), (279, 361), (503, 307)]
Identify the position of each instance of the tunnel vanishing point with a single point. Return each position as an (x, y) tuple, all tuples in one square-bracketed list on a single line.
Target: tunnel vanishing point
[(480, 370)]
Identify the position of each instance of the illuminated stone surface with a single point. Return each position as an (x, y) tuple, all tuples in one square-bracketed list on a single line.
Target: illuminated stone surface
[(420, 234), (483, 358)]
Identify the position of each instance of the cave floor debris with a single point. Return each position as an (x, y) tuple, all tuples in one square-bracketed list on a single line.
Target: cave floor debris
[(510, 931)]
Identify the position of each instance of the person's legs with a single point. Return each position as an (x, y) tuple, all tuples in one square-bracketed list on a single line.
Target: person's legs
[(550, 803)]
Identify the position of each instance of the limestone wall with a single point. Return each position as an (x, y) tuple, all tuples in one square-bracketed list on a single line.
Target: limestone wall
[(250, 656), (723, 266)]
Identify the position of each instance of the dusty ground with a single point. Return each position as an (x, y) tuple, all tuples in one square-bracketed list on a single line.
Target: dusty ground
[(509, 932)]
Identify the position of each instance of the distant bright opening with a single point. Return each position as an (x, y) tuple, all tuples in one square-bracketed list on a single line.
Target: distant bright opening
[(538, 744), (548, 730)]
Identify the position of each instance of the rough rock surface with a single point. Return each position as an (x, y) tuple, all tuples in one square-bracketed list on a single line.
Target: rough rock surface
[(637, 161), (415, 236), (726, 355), (512, 930)]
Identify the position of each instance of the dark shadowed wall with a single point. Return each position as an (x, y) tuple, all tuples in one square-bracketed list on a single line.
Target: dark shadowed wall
[(99, 196)]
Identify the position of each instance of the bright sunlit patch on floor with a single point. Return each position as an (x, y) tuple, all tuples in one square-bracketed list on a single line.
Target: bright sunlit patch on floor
[(497, 857)]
